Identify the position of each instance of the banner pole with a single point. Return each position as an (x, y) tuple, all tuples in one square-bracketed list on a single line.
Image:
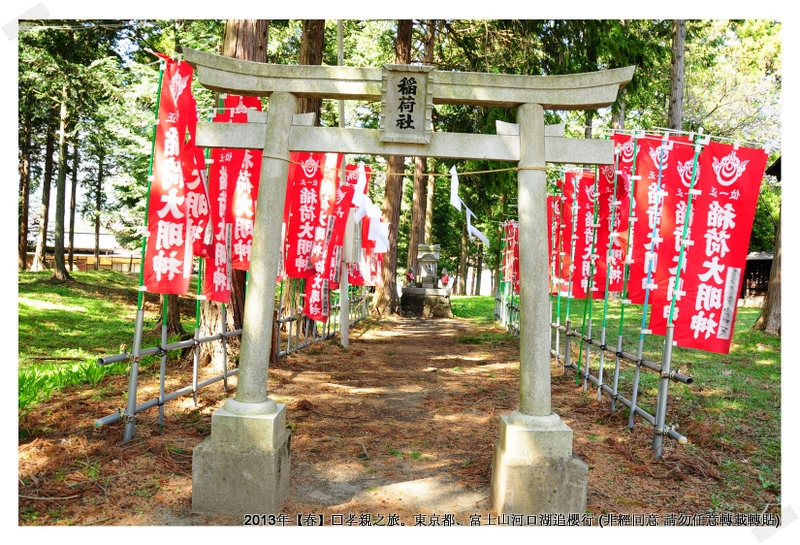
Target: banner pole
[(573, 237), (552, 264), (609, 254), (344, 288), (587, 306), (224, 327), (559, 264), (130, 410), (666, 357), (649, 264), (625, 274), (162, 373)]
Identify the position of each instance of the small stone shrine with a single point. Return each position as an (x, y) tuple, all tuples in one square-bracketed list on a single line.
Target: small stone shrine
[(423, 297)]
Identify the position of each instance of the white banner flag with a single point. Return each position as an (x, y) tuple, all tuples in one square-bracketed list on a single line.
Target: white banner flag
[(455, 200), (472, 231)]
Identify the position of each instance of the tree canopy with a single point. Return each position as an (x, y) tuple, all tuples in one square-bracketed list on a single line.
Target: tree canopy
[(732, 90)]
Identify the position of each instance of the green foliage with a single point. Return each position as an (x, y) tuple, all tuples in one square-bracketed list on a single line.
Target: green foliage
[(767, 217), (733, 80), (478, 309), (37, 382), (56, 347)]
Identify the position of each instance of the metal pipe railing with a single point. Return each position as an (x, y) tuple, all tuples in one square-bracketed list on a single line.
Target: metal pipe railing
[(674, 375), (312, 333), (504, 313), (670, 432)]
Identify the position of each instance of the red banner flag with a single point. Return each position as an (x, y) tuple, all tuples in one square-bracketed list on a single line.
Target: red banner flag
[(650, 210), (242, 202), (673, 220), (193, 162), (508, 251), (354, 276), (568, 235), (168, 254), (586, 276), (317, 300), (224, 165), (552, 214), (628, 147), (344, 202), (199, 228), (611, 247), (305, 176), (722, 221)]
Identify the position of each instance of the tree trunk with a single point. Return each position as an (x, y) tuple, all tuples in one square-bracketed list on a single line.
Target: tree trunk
[(675, 116), (244, 39), (24, 196), (44, 215), (769, 321), (429, 211), (72, 204), (174, 325), (420, 199), (472, 284), (418, 209), (461, 289), (618, 117), (60, 268), (97, 204), (386, 301), (587, 130), (311, 47)]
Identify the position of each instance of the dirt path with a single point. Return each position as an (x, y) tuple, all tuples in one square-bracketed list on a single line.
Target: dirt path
[(399, 425)]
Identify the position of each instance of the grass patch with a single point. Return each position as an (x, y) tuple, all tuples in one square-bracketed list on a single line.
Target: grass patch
[(734, 405), (475, 308), (64, 327)]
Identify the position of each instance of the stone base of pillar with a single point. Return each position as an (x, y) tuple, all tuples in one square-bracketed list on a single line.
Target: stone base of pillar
[(244, 466), (534, 470)]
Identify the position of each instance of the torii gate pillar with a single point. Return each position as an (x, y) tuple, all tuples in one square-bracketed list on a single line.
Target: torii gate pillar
[(244, 466), (533, 468)]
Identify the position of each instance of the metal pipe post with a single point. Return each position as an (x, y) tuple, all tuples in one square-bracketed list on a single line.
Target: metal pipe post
[(224, 349), (663, 386), (602, 360), (133, 381), (566, 342), (162, 373), (588, 354), (636, 381), (344, 306), (615, 390)]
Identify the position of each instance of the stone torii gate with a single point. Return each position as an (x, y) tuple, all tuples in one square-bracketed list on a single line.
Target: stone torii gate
[(243, 467)]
